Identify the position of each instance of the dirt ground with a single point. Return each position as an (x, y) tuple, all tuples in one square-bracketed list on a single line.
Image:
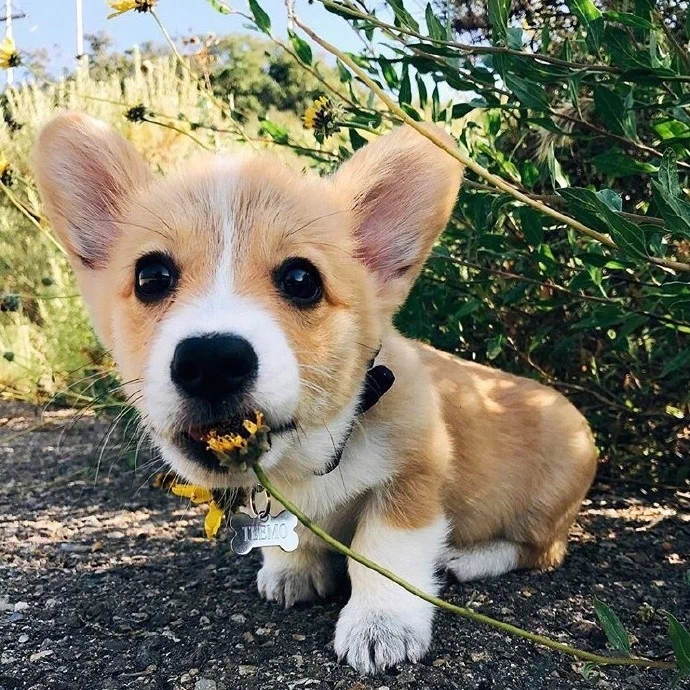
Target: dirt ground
[(108, 584)]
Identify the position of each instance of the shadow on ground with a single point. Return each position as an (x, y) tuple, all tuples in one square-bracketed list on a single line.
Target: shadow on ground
[(108, 584)]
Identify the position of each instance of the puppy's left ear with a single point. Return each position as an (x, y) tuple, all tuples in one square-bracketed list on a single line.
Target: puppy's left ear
[(401, 188)]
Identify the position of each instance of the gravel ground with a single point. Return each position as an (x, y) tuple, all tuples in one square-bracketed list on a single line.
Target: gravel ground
[(108, 584)]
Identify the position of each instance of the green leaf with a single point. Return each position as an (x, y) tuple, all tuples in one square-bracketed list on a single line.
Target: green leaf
[(495, 346), (262, 20), (421, 89), (302, 48), (674, 210), (514, 37), (612, 111), (433, 25), (590, 17), (435, 104), (628, 19), (531, 224), (680, 641), (356, 139), (275, 131), (589, 671), (343, 72), (499, 10), (585, 10), (611, 199), (402, 16), (680, 361), (529, 94), (389, 73), (405, 93), (589, 209), (668, 173), (615, 632), (219, 6), (618, 164)]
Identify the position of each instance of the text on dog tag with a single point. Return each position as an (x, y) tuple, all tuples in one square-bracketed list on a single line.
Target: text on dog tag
[(259, 532)]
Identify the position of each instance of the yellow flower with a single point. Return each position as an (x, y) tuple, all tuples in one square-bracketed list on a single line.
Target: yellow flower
[(196, 494), (199, 494), (251, 441), (213, 520), (9, 57), (322, 116), (226, 443), (314, 111), (122, 6)]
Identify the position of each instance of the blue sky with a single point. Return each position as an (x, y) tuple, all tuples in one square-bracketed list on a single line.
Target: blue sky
[(51, 24)]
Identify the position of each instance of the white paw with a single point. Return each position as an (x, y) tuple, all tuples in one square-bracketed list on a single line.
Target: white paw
[(288, 586), (372, 641)]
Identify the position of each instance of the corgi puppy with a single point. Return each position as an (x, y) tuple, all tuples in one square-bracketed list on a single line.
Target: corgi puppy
[(241, 285)]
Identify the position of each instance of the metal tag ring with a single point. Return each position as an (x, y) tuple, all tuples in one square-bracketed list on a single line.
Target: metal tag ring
[(261, 514)]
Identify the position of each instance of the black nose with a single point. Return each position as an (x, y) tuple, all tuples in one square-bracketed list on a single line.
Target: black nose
[(213, 367)]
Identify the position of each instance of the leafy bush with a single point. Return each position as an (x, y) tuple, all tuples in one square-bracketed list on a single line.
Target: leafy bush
[(593, 122)]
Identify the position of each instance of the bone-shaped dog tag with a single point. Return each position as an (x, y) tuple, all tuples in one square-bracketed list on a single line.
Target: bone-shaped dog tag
[(264, 530)]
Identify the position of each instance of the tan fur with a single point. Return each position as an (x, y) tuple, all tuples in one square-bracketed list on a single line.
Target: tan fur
[(503, 458)]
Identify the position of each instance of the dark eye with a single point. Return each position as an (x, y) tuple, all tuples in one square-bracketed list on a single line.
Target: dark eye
[(300, 282), (154, 277)]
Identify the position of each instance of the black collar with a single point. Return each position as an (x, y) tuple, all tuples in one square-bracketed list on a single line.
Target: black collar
[(377, 382)]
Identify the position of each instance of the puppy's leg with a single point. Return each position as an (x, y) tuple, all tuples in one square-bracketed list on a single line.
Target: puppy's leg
[(487, 559), (302, 575), (383, 624)]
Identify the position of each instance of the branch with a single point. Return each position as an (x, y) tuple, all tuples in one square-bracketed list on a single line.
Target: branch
[(465, 47), (463, 158)]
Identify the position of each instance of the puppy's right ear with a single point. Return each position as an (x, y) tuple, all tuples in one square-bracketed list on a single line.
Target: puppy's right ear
[(85, 174)]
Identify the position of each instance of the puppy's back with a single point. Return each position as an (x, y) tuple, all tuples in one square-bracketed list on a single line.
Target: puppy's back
[(524, 456)]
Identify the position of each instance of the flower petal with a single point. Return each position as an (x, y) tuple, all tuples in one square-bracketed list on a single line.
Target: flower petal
[(213, 520), (196, 494)]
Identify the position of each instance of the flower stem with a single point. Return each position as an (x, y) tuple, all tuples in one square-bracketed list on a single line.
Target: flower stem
[(445, 605)]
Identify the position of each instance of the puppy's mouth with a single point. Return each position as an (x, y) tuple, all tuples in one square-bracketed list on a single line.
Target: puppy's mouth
[(194, 440)]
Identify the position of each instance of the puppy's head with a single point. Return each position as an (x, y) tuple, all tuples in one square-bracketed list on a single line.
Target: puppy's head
[(241, 285)]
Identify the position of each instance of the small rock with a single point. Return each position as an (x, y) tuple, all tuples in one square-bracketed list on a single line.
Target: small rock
[(5, 604), (185, 678), (204, 620), (37, 656), (21, 606), (645, 612), (238, 618), (75, 548), (205, 684), (23, 639), (299, 637), (148, 653), (248, 637), (263, 631), (246, 670)]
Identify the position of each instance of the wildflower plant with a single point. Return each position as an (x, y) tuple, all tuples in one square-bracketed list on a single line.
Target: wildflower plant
[(123, 6), (9, 56)]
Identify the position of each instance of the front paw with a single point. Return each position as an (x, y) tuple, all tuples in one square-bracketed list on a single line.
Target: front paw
[(374, 640), (289, 586)]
